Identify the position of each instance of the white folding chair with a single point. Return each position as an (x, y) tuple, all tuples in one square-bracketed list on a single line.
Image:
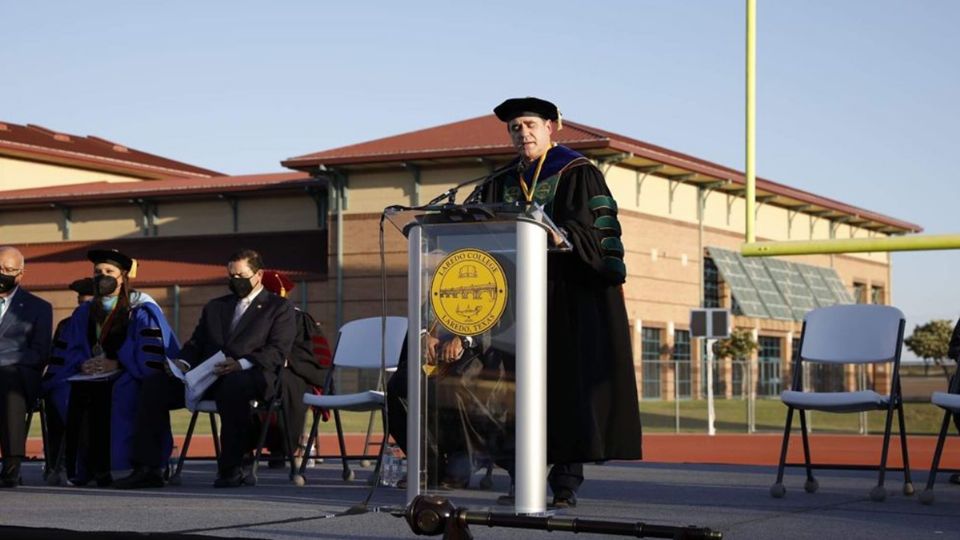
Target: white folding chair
[(358, 346), (950, 402), (847, 334)]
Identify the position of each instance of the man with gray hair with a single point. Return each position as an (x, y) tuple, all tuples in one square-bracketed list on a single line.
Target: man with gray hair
[(26, 322)]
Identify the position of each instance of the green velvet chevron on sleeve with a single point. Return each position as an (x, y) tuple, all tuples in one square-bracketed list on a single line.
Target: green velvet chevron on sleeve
[(604, 209)]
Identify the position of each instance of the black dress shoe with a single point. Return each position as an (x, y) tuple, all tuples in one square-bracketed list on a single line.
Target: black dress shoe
[(10, 475), (564, 498), (955, 478), (9, 482), (140, 478), (55, 477), (228, 479), (103, 480)]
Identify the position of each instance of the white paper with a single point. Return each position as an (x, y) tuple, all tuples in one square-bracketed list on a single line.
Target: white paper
[(175, 368), (93, 376), (197, 380)]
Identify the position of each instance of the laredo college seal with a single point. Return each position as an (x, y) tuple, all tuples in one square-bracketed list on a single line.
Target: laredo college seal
[(469, 292)]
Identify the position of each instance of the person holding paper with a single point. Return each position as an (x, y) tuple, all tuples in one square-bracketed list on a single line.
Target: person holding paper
[(245, 336), (25, 325), (108, 347)]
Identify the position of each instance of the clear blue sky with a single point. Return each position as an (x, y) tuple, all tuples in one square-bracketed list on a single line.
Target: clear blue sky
[(857, 99)]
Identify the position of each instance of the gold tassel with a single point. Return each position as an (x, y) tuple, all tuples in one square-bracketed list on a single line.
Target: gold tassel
[(133, 269)]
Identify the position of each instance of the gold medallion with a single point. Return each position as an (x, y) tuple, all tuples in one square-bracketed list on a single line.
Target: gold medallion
[(469, 292)]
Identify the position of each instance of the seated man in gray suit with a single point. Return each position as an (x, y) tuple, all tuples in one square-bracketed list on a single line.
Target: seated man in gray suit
[(254, 329), (26, 322)]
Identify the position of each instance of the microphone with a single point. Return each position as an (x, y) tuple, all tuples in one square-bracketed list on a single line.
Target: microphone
[(451, 194)]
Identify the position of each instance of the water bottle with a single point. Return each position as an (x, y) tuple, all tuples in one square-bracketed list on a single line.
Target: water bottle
[(401, 470), (388, 467)]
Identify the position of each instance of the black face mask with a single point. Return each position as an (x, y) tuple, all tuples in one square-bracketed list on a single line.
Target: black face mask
[(104, 285), (241, 287), (7, 283)]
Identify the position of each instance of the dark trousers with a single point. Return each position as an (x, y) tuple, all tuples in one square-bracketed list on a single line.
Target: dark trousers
[(88, 430), (233, 392), (565, 477), (292, 388), (56, 429), (16, 391)]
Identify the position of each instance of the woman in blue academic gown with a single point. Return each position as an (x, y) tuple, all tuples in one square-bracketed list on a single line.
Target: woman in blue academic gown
[(110, 344)]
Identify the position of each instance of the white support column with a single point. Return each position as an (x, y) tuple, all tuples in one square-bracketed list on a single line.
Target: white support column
[(414, 293), (531, 398)]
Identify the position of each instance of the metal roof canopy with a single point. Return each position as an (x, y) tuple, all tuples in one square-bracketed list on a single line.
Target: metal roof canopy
[(769, 288)]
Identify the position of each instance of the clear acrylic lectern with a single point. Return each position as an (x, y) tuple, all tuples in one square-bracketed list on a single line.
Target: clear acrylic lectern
[(477, 285)]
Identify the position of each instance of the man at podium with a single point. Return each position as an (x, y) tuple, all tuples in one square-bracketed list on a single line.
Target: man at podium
[(593, 412)]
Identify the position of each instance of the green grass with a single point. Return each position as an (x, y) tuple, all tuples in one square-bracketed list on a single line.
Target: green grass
[(352, 423), (731, 417)]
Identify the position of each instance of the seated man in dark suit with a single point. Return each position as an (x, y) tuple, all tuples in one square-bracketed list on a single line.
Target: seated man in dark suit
[(25, 325), (254, 329)]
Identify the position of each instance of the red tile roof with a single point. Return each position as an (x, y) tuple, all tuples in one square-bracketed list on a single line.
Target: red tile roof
[(486, 136), (168, 188), (188, 260), (37, 143)]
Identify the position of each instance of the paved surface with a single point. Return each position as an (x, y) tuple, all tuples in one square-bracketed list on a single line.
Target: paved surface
[(733, 499)]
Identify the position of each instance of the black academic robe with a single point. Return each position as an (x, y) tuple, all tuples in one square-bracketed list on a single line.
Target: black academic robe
[(592, 407)]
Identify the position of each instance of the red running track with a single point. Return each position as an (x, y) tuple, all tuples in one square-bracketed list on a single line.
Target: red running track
[(741, 449)]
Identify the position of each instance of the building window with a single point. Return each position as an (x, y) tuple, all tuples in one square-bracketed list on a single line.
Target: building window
[(876, 295), (769, 364), (711, 284), (651, 363), (681, 359), (859, 292)]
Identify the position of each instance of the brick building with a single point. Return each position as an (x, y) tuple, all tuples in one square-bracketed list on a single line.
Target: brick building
[(682, 219)]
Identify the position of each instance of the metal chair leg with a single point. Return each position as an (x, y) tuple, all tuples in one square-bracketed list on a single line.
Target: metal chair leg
[(285, 437), (366, 440), (383, 448), (175, 476), (215, 431), (348, 475), (777, 490), (927, 496), (879, 493), (811, 485), (261, 440), (907, 481), (301, 479)]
